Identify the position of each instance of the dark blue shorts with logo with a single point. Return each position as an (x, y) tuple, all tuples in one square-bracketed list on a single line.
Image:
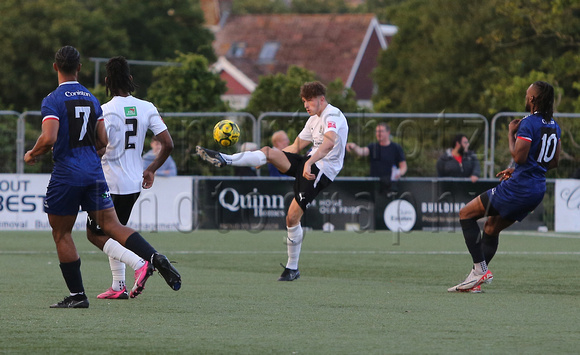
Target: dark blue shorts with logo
[(63, 199)]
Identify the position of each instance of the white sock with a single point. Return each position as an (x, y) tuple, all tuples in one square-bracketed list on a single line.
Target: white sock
[(255, 158), (118, 271), (115, 250), (294, 244), (480, 268)]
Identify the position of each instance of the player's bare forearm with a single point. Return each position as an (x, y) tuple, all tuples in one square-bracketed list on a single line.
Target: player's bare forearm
[(297, 146), (519, 148), (41, 147), (166, 148), (148, 178), (102, 139), (44, 142), (292, 148), (324, 148)]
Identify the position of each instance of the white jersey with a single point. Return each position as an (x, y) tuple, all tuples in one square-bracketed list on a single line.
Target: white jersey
[(333, 120), (127, 120)]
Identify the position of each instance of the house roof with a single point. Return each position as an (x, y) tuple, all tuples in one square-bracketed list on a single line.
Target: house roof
[(331, 45)]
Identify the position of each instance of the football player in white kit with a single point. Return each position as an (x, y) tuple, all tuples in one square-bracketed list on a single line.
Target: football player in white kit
[(327, 130), (127, 120)]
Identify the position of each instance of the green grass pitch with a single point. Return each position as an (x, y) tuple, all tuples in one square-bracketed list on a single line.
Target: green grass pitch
[(360, 293)]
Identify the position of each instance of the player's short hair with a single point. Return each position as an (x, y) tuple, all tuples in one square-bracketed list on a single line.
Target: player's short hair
[(545, 99), (67, 59), (118, 77), (312, 89)]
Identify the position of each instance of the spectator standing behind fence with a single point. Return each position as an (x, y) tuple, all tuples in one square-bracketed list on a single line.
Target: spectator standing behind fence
[(280, 141), (458, 161), (387, 159), (168, 168)]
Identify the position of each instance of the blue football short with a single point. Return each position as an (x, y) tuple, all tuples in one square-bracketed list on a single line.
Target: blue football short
[(64, 200), (511, 205)]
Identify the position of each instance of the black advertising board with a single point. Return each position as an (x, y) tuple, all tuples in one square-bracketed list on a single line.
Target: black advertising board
[(361, 204)]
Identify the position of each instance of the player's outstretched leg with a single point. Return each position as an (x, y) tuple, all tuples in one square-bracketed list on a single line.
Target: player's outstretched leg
[(211, 156), (169, 273)]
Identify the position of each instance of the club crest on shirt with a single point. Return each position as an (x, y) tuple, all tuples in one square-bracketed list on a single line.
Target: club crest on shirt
[(130, 111), (331, 124)]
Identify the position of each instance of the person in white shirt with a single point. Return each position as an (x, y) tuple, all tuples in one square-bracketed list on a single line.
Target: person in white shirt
[(127, 120), (327, 130)]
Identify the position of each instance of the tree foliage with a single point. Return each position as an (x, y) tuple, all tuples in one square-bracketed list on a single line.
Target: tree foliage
[(30, 34), (473, 56), (188, 87), (32, 31), (281, 92)]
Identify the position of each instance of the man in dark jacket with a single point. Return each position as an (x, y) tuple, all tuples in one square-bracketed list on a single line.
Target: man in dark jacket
[(458, 161)]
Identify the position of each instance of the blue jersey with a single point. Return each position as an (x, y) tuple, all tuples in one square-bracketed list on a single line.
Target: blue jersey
[(515, 197), (544, 136), (76, 161)]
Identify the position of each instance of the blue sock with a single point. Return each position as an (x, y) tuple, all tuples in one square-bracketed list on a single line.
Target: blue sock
[(138, 245), (472, 235), (72, 276), (490, 244)]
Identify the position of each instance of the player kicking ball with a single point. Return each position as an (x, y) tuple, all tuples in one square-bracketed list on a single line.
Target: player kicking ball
[(534, 143), (327, 131)]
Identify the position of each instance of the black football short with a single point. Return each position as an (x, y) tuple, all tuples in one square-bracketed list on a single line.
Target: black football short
[(123, 207), (305, 190), (489, 209)]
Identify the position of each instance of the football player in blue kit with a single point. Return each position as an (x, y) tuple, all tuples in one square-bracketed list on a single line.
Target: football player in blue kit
[(71, 118), (534, 143)]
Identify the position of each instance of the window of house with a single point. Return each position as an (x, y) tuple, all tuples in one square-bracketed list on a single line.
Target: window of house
[(237, 49), (268, 52)]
